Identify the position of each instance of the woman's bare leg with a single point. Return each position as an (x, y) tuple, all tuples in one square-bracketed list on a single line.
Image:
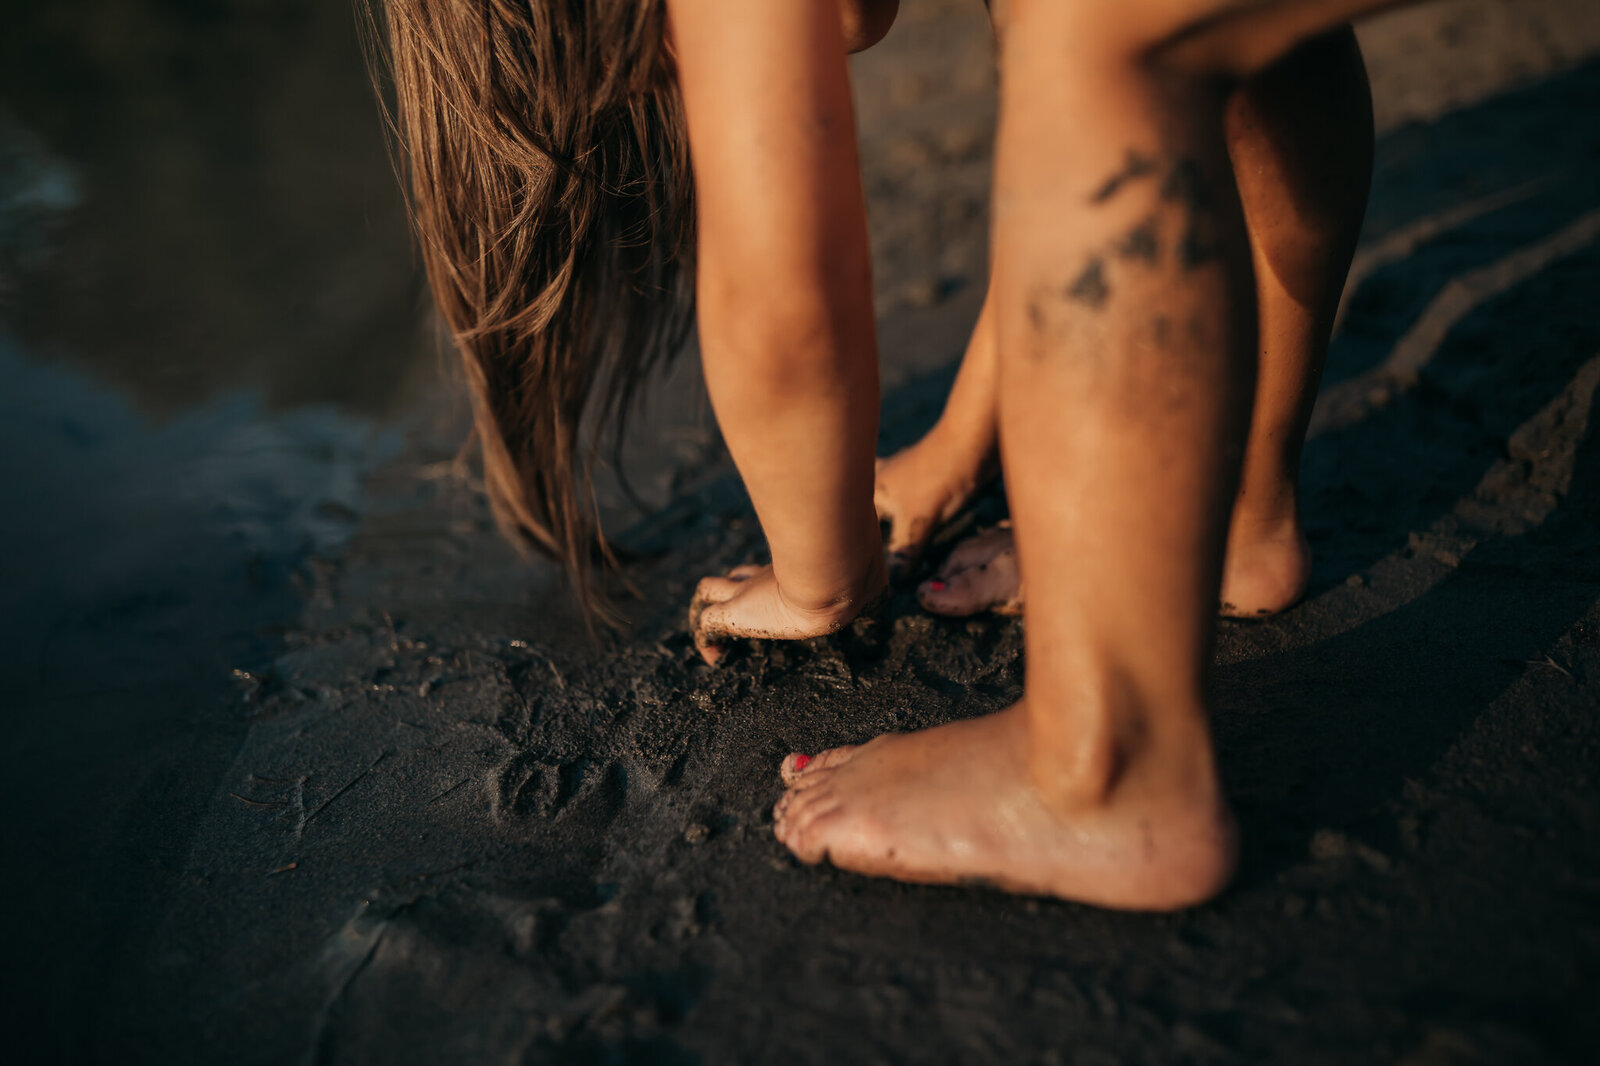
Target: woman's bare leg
[(1300, 140), (1126, 334), (1300, 136), (1124, 395)]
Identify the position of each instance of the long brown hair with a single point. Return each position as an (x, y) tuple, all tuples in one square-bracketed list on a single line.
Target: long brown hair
[(549, 186)]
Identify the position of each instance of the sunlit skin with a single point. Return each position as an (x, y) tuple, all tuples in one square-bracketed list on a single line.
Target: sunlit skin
[(1299, 139), (1123, 303)]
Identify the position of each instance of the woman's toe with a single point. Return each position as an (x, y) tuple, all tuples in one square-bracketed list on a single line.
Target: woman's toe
[(803, 829), (799, 767), (966, 592), (792, 766), (989, 580)]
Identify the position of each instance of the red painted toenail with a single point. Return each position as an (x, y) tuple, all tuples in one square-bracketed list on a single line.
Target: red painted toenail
[(936, 585), (802, 761)]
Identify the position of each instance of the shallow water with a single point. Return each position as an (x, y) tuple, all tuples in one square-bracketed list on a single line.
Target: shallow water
[(198, 198), (204, 284), (204, 277)]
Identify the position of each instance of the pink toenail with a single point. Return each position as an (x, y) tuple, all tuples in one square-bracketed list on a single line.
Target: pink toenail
[(936, 585), (802, 761)]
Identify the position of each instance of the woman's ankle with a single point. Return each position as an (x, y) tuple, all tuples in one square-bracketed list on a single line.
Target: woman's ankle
[(1265, 509), (1120, 745), (1143, 783)]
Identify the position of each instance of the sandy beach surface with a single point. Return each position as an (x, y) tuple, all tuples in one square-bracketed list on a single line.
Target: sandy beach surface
[(302, 764)]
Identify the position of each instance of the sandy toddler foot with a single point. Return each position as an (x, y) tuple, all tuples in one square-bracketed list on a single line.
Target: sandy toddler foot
[(748, 602)]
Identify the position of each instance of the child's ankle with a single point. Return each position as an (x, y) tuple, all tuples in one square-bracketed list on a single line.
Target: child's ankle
[(836, 606)]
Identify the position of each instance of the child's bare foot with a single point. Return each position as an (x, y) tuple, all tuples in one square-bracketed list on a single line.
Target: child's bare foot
[(748, 602), (956, 805), (921, 487), (1266, 571), (979, 575)]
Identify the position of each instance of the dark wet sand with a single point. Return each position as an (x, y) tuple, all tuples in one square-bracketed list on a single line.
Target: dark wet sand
[(430, 823)]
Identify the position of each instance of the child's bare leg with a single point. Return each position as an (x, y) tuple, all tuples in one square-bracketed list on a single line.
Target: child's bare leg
[(1299, 136), (1126, 332), (925, 485), (785, 310)]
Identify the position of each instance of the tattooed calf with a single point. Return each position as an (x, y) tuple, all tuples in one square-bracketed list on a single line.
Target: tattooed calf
[(1186, 188), (1090, 288), (1186, 185), (1143, 242), (1136, 167)]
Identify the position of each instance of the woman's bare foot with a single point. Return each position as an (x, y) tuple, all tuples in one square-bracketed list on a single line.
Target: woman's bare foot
[(1266, 571), (956, 805), (979, 575), (921, 487)]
